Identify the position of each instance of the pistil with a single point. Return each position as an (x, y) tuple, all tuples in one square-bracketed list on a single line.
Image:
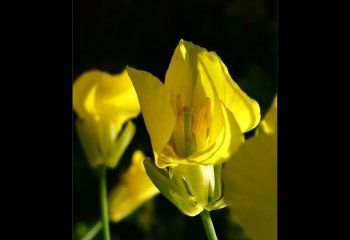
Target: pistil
[(189, 143)]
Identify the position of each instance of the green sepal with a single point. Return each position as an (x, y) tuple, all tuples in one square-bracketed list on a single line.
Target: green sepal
[(218, 182), (160, 178), (88, 143), (216, 201), (121, 144), (216, 205)]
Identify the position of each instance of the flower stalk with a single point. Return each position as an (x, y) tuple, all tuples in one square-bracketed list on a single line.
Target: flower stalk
[(104, 202), (208, 225)]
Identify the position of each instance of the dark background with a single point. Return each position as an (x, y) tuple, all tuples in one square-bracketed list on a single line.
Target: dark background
[(108, 35)]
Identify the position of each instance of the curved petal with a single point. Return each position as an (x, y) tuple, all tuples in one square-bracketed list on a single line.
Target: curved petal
[(227, 142), (134, 189), (103, 96), (112, 94), (250, 186), (181, 75), (158, 113), (84, 89), (215, 80)]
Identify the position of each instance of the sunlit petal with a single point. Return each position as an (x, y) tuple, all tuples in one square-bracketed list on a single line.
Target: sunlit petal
[(181, 76), (215, 81)]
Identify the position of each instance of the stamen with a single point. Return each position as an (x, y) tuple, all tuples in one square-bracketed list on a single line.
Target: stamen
[(190, 133), (202, 120)]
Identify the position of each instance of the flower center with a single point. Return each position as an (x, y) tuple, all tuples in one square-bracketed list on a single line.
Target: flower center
[(191, 131)]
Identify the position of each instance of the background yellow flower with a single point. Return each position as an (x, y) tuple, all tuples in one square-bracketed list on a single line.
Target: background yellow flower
[(132, 191), (250, 181), (103, 103)]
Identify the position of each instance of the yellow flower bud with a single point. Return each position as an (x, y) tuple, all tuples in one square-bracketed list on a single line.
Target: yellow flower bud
[(103, 103)]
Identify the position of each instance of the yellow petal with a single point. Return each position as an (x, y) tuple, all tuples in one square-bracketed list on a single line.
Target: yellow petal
[(158, 113), (250, 186), (214, 81), (84, 90), (181, 76), (269, 124), (104, 96), (227, 141), (134, 189), (116, 98)]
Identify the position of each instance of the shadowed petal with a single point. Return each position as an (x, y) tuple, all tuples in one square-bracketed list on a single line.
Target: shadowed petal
[(269, 124), (158, 113), (250, 186)]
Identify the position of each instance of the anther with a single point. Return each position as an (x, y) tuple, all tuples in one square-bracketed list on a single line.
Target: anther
[(202, 120)]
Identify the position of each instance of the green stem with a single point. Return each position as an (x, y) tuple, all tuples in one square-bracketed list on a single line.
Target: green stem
[(93, 231), (103, 202), (208, 225)]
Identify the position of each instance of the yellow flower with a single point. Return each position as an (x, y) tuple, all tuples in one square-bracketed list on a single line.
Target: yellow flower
[(195, 120), (199, 115), (103, 103), (250, 181), (134, 189)]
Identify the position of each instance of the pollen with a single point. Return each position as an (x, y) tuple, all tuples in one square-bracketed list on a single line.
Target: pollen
[(190, 133)]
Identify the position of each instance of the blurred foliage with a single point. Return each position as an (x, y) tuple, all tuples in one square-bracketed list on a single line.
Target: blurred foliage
[(110, 34)]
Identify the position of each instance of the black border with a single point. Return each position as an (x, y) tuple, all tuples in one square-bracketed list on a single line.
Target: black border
[(37, 93)]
